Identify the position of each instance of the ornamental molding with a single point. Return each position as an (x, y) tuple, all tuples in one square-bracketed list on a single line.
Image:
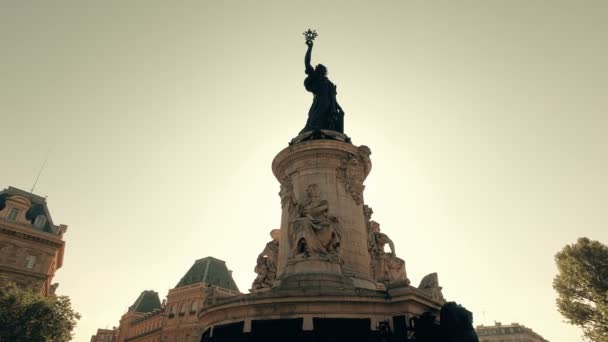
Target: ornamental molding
[(312, 157), (353, 170)]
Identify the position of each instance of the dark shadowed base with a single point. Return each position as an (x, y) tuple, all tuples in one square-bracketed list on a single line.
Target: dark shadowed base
[(325, 330), (320, 134)]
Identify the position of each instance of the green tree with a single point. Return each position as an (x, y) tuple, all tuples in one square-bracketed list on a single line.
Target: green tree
[(27, 316), (582, 287)]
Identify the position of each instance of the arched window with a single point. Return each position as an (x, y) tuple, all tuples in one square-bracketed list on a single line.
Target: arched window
[(12, 215), (182, 309), (40, 221)]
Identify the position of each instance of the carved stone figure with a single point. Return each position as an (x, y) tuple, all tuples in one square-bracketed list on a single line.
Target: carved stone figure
[(325, 112), (314, 232), (367, 213), (378, 240), (266, 266), (387, 268), (430, 285)]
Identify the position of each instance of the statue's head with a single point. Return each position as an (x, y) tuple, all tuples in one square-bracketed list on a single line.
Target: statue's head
[(375, 226), (320, 69), (313, 191), (275, 234)]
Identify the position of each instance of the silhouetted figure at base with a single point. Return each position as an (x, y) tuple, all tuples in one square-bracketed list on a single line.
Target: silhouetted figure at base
[(456, 325), (325, 112)]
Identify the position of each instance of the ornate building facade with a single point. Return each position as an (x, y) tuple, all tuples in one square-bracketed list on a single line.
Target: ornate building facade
[(175, 319), (31, 245), (513, 332)]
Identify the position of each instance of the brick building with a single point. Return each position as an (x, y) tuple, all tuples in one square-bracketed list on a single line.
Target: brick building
[(143, 320), (31, 245), (105, 335), (513, 332), (176, 320)]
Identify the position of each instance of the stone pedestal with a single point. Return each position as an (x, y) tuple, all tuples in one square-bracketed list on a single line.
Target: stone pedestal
[(338, 169), (334, 280)]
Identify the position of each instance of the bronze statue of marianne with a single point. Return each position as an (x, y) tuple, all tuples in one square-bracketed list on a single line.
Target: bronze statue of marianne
[(325, 112)]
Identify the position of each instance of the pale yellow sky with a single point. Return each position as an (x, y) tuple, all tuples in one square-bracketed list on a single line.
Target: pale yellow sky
[(486, 119)]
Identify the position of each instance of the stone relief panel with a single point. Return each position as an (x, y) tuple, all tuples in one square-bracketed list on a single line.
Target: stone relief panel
[(314, 232), (352, 173), (266, 266), (286, 193)]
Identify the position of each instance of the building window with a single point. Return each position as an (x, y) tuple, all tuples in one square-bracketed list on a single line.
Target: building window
[(30, 261), (194, 307), (40, 221), (171, 311), (182, 309), (12, 215)]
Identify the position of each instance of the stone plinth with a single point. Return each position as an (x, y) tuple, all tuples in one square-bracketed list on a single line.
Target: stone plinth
[(235, 319), (331, 279), (336, 170)]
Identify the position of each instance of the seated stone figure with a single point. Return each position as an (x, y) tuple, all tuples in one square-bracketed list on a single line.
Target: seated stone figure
[(387, 268), (266, 266), (314, 232), (378, 240)]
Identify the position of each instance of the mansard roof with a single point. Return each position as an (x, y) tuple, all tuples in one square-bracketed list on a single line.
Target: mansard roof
[(210, 271), (147, 301), (38, 207)]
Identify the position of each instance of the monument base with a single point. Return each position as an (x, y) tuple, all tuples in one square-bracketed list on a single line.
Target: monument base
[(309, 313)]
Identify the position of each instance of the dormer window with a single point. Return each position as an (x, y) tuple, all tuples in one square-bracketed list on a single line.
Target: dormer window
[(40, 221), (30, 261), (12, 214)]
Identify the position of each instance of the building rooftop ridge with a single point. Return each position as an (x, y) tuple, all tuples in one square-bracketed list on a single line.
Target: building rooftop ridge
[(16, 191)]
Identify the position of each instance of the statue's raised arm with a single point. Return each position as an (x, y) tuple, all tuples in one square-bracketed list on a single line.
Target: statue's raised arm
[(309, 36), (307, 57)]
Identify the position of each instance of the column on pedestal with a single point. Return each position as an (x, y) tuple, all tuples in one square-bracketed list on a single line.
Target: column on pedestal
[(323, 228)]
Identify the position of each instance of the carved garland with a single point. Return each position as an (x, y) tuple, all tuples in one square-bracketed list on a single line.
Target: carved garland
[(352, 172)]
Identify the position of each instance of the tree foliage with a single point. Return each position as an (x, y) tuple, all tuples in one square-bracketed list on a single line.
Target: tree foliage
[(27, 316), (582, 287)]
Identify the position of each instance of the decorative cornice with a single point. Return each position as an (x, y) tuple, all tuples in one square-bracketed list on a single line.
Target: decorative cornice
[(22, 234), (310, 150), (40, 276)]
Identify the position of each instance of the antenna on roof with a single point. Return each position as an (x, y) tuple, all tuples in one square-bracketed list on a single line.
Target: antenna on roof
[(41, 169)]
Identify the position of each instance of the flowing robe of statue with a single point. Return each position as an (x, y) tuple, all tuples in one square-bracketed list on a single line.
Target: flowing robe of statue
[(325, 112)]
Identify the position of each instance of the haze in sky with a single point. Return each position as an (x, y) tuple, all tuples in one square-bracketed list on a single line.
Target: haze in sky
[(487, 123)]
